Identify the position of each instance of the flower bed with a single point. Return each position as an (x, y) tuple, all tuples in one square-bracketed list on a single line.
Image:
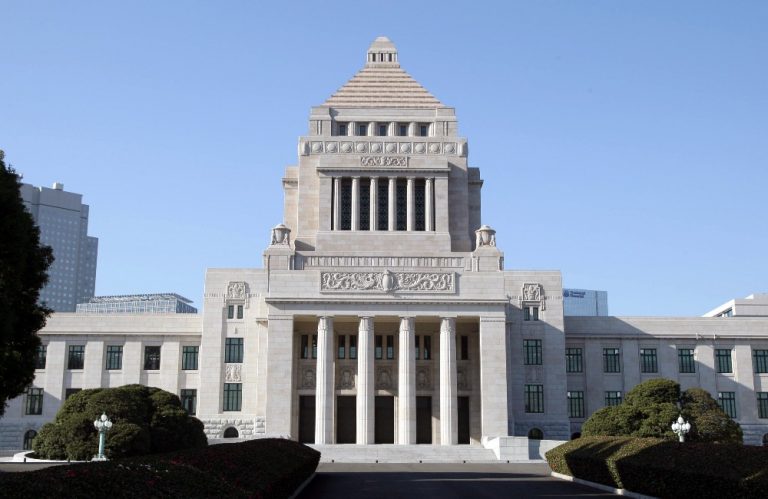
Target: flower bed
[(256, 468)]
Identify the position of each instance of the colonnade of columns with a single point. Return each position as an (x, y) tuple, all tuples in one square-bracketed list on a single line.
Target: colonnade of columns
[(406, 387), (373, 210)]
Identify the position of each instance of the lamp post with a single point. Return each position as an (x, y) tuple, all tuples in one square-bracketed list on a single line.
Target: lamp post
[(103, 424), (681, 427)]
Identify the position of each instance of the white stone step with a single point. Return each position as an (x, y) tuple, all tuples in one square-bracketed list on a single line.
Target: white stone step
[(389, 453)]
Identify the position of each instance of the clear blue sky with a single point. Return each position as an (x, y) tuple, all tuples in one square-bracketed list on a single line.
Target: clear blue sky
[(624, 143)]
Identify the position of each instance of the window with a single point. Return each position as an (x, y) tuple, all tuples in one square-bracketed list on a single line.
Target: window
[(761, 361), (151, 358), (40, 356), (427, 352), (573, 360), (727, 401), (390, 347), (342, 128), (231, 433), (464, 348), (611, 363), (377, 350), (532, 352), (362, 130), (29, 436), (423, 129), (342, 344), (535, 434), (189, 358), (723, 360), (686, 361), (575, 404), (382, 130), (230, 311), (402, 129), (233, 396), (304, 349), (612, 398), (189, 400), (530, 313), (534, 398), (418, 342), (239, 311), (114, 357), (648, 362), (76, 356), (233, 350), (70, 391), (353, 347), (34, 401), (762, 405)]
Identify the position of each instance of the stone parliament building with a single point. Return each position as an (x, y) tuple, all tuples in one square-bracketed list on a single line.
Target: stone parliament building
[(383, 313)]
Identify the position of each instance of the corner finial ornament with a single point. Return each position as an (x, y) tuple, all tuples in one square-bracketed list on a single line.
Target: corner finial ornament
[(485, 236), (281, 235)]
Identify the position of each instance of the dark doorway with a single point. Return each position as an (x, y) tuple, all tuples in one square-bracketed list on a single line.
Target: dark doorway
[(307, 419), (345, 419), (423, 420), (384, 420), (463, 409)]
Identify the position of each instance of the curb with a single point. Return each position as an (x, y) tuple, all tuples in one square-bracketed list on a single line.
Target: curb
[(303, 484), (600, 486)]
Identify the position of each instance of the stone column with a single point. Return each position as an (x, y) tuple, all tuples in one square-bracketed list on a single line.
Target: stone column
[(279, 372), (324, 390), (406, 384), (448, 405), (371, 128), (493, 377), (355, 203), (373, 211), (392, 202), (365, 377), (336, 203), (410, 205), (428, 217)]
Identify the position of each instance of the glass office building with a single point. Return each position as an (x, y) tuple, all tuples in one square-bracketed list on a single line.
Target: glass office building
[(159, 303), (585, 302)]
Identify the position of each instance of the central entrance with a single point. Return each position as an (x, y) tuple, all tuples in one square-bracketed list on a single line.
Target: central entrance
[(423, 420), (346, 420), (463, 417), (307, 419), (384, 420)]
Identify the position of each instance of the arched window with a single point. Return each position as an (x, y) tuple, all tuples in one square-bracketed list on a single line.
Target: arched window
[(231, 433), (535, 434), (765, 440), (576, 435), (28, 437)]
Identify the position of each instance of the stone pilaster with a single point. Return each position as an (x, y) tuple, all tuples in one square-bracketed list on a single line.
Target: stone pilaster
[(324, 389), (365, 378), (355, 203), (392, 204), (428, 206), (374, 204), (406, 383), (448, 403), (410, 205), (337, 203), (493, 377)]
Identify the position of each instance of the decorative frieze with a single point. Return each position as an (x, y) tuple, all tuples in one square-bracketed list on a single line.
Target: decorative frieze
[(449, 148), (388, 282), (308, 262), (383, 378), (423, 381), (233, 373), (384, 161), (308, 378), (346, 379)]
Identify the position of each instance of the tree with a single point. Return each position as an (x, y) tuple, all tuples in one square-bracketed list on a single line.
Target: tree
[(650, 408), (23, 266)]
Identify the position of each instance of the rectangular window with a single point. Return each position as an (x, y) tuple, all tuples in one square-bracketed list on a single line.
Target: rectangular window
[(342, 128), (535, 313), (427, 354), (611, 361), (314, 346), (464, 348), (575, 404), (114, 357), (686, 361), (233, 350), (230, 311), (189, 400), (526, 313), (362, 130), (233, 396), (534, 398), (189, 358), (761, 361), (378, 349), (612, 398), (342, 345), (151, 358), (573, 360), (382, 130), (390, 347), (402, 129), (423, 129), (304, 354), (76, 356), (34, 401), (532, 352), (418, 342), (239, 311), (727, 401), (70, 391), (723, 360), (42, 351), (353, 346), (762, 405), (648, 362)]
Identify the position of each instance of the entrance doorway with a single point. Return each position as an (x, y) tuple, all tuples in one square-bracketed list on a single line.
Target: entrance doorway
[(384, 420), (423, 420), (463, 416), (307, 419), (346, 429)]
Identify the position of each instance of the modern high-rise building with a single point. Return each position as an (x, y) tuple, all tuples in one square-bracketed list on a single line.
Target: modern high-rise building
[(585, 302), (154, 303), (63, 221)]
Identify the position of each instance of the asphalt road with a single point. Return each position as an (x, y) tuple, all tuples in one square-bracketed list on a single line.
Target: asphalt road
[(370, 481)]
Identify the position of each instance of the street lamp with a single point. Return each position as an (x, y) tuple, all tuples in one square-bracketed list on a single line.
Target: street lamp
[(103, 424), (681, 427)]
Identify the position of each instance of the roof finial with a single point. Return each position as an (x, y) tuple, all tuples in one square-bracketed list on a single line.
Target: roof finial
[(382, 52)]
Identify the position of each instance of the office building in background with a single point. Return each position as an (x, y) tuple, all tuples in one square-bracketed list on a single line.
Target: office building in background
[(585, 302)]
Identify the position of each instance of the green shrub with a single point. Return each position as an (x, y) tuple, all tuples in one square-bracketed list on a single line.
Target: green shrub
[(664, 468), (654, 391), (145, 420), (708, 421)]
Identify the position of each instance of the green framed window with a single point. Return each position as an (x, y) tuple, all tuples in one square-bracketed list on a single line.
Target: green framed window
[(40, 356), (76, 357), (34, 401), (532, 352), (727, 401), (612, 398), (723, 361), (760, 361), (114, 360), (233, 350), (574, 362), (189, 356), (534, 398), (233, 396), (762, 405), (151, 358), (648, 360), (576, 404), (686, 361), (189, 400), (611, 360)]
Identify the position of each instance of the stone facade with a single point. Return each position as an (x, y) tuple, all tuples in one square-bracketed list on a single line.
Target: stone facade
[(383, 313)]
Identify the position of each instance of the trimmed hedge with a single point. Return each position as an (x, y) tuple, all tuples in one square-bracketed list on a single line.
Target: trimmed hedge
[(662, 468), (255, 468)]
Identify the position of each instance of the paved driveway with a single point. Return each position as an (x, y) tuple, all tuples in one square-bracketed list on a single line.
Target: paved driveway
[(370, 481)]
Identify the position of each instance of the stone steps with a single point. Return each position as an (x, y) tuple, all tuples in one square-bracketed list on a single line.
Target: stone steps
[(389, 453)]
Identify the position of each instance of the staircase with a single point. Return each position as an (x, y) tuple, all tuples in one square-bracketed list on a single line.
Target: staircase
[(388, 453)]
